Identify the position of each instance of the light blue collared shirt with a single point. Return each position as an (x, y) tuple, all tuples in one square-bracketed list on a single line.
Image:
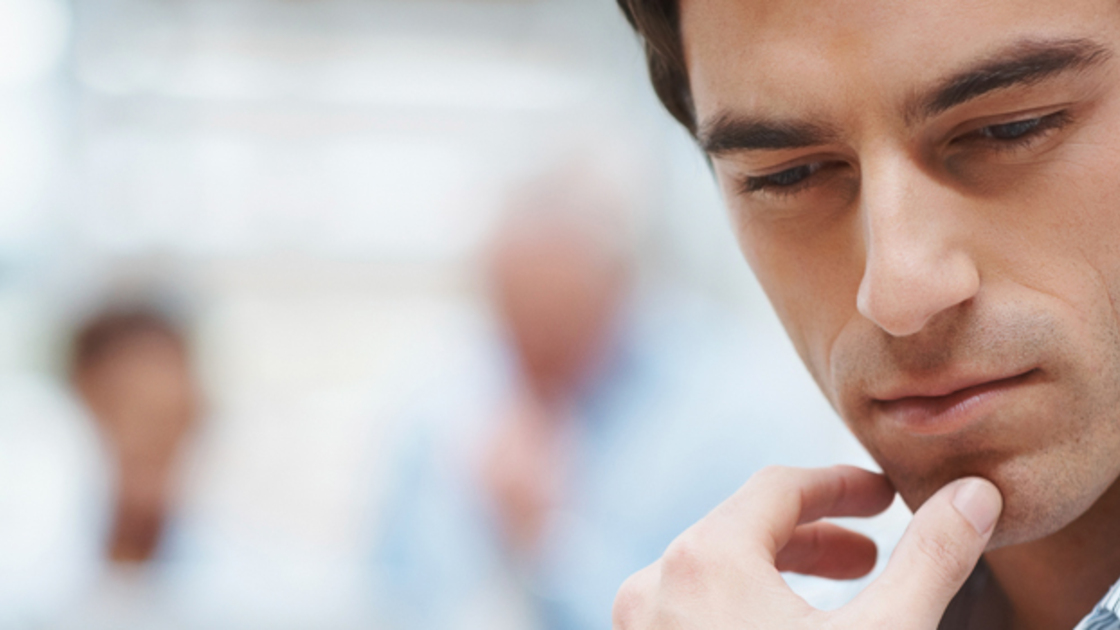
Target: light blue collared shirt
[(1106, 614), (687, 407)]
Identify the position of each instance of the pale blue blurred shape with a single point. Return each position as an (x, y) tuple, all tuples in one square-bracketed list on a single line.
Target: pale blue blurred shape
[(34, 39), (49, 506), (261, 131), (689, 407)]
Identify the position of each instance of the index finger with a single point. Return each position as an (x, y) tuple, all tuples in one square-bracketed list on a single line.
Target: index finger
[(776, 500)]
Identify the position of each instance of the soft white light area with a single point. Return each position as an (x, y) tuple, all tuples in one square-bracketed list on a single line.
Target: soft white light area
[(33, 38), (26, 144), (415, 73), (48, 522), (371, 70), (340, 196), (20, 318)]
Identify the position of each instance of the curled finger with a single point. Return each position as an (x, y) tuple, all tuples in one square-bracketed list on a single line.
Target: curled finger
[(634, 603), (829, 551)]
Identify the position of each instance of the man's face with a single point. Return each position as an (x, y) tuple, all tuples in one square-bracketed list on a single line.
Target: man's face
[(929, 192)]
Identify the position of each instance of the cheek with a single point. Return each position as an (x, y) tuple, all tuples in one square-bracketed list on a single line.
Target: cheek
[(811, 274), (1078, 201), (1060, 238), (1094, 222)]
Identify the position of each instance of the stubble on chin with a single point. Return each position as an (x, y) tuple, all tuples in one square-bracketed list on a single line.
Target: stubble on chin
[(1043, 491), (1039, 451)]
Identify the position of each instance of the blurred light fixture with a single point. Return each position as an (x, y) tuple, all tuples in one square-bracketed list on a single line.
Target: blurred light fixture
[(33, 38)]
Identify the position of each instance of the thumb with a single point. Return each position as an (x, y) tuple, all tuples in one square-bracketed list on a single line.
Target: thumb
[(935, 556)]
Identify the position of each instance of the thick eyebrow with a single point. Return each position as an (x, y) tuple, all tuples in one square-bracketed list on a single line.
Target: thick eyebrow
[(1023, 63), (727, 133)]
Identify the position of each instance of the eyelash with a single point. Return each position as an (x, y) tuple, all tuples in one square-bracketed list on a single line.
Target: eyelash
[(1035, 129), (778, 184)]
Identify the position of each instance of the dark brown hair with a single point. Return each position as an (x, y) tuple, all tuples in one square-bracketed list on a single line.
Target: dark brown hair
[(658, 25), (107, 331)]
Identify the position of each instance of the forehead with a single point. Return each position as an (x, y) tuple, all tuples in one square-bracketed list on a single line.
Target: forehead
[(822, 57)]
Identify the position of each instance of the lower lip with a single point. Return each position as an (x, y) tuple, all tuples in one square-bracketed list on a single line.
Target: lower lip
[(938, 415)]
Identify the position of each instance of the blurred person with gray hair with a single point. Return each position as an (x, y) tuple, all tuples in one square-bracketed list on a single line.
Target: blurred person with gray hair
[(558, 454)]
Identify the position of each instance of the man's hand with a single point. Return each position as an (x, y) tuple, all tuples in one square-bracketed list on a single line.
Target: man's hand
[(723, 572)]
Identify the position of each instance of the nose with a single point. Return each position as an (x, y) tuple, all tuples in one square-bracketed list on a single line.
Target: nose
[(916, 263)]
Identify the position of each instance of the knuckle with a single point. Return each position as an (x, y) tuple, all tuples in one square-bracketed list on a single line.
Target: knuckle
[(815, 545), (843, 489), (773, 472), (685, 561), (630, 603), (775, 476), (762, 482), (879, 617)]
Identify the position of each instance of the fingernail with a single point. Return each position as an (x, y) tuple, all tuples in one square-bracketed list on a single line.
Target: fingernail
[(979, 502)]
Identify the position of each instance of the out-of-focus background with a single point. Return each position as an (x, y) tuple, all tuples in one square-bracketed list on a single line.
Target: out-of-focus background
[(325, 239)]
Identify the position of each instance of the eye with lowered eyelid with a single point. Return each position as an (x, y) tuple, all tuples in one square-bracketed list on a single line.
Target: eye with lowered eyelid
[(784, 181), (1003, 135), (1017, 132)]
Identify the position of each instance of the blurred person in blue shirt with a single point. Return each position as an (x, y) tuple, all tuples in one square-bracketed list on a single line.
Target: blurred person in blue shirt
[(554, 457)]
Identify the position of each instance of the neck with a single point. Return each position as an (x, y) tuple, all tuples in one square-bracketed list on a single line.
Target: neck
[(1054, 582), (550, 391), (142, 496)]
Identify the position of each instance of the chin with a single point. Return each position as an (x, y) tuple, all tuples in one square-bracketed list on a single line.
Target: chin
[(1041, 505), (1017, 527), (1041, 495)]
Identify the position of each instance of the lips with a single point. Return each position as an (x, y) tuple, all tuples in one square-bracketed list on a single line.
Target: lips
[(946, 407)]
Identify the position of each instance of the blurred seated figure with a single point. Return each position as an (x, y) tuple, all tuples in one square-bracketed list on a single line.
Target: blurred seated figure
[(553, 457), (132, 370), (558, 288), (183, 545)]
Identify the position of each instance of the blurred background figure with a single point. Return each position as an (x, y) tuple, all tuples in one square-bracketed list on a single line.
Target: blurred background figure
[(165, 557), (132, 370), (560, 274), (575, 441), (366, 321)]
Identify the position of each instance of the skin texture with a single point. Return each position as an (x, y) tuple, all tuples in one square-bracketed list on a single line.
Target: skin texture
[(920, 244), (911, 260), (723, 572)]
